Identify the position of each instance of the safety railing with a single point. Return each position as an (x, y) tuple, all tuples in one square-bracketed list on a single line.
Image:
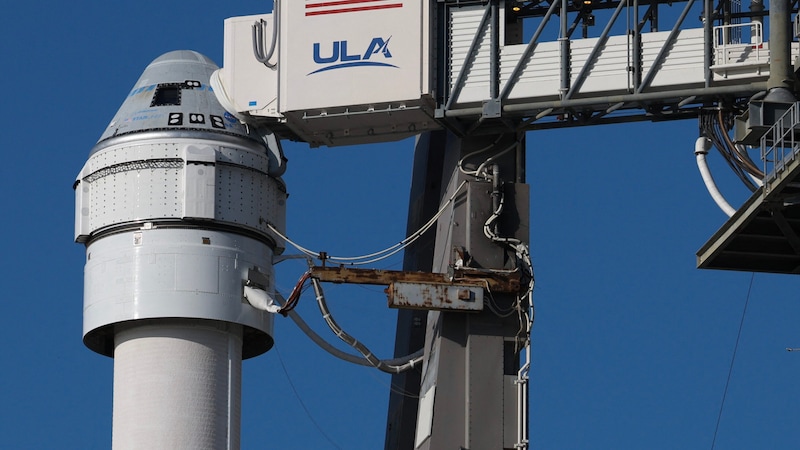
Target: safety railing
[(739, 44), (780, 144)]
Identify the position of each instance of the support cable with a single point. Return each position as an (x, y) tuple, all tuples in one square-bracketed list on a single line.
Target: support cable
[(302, 403), (733, 359)]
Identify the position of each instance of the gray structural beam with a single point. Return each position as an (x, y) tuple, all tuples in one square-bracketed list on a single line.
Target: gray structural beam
[(468, 395), (410, 335)]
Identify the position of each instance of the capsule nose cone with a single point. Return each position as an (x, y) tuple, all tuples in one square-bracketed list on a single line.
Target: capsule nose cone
[(173, 93)]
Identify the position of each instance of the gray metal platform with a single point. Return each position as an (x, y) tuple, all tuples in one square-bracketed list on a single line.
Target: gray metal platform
[(764, 234)]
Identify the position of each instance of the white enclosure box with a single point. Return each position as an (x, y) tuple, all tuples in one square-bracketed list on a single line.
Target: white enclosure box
[(347, 72), (249, 86), (358, 71), (359, 53)]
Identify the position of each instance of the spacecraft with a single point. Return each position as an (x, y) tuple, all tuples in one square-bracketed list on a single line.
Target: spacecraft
[(174, 206)]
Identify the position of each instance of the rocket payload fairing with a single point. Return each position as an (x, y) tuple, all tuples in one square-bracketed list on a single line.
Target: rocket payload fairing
[(173, 206)]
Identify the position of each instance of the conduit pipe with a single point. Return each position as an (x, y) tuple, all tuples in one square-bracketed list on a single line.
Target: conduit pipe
[(344, 356), (701, 147), (262, 300), (353, 342)]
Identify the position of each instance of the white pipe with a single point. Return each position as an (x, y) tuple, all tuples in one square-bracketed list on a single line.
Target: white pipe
[(757, 181), (701, 147), (177, 385)]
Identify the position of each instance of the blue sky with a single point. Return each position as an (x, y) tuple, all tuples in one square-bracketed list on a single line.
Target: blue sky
[(632, 343)]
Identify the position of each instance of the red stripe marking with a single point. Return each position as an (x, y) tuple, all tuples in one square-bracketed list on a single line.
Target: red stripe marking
[(349, 9), (339, 2), (346, 10)]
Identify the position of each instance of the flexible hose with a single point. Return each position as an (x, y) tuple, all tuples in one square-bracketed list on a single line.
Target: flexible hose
[(701, 147), (353, 342), (355, 359), (260, 299), (258, 38)]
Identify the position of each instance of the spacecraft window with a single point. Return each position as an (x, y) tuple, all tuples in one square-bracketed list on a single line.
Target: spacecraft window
[(167, 95)]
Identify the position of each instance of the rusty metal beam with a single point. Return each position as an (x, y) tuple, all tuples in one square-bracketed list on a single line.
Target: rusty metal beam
[(499, 282)]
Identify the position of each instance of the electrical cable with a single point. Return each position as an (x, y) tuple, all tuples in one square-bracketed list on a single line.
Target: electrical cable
[(715, 127), (520, 249), (742, 157), (379, 255), (294, 296), (492, 158), (524, 262), (494, 308), (476, 152)]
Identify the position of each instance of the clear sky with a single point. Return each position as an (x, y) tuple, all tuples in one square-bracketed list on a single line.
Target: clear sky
[(632, 343)]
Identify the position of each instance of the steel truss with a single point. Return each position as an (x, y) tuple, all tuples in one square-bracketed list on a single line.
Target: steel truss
[(573, 105)]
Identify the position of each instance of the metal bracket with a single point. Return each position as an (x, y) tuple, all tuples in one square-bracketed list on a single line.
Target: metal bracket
[(492, 109), (257, 279), (503, 282)]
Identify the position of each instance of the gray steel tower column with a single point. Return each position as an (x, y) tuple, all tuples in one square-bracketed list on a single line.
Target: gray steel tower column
[(410, 331), (468, 395), (781, 73)]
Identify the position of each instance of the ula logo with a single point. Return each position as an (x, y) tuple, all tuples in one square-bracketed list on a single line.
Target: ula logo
[(338, 57)]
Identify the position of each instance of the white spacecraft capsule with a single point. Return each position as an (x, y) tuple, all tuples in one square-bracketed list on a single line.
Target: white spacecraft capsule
[(173, 206)]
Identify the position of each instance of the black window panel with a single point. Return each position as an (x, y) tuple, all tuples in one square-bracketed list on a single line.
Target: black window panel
[(167, 95)]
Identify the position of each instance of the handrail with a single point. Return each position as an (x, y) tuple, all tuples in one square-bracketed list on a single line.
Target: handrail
[(780, 144), (723, 45)]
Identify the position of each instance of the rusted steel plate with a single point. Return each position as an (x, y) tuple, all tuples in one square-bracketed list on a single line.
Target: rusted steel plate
[(436, 296)]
